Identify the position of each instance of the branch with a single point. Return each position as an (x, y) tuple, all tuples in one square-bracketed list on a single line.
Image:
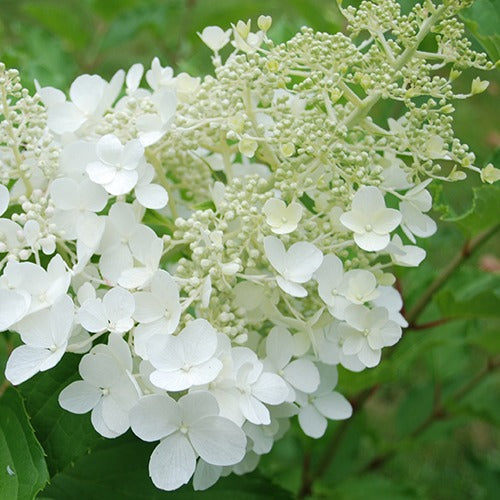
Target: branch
[(467, 250)]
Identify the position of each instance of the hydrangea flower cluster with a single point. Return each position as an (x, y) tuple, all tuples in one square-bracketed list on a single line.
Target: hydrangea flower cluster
[(214, 248)]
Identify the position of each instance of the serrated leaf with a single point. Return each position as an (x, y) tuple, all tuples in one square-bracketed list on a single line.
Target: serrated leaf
[(484, 212), (23, 471), (64, 436)]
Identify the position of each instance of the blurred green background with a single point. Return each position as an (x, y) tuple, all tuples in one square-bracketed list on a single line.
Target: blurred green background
[(426, 420)]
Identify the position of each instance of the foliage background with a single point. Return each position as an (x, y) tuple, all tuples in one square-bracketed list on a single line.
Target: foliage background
[(426, 423)]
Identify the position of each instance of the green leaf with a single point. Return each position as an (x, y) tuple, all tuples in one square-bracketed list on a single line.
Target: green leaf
[(118, 469), (415, 408), (23, 471), (483, 213), (482, 18), (483, 304), (373, 487), (63, 20), (64, 436)]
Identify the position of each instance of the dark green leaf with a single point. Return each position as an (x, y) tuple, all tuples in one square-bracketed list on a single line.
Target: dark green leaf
[(23, 471), (118, 469), (64, 436)]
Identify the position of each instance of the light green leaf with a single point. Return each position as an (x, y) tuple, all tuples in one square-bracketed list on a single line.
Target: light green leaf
[(483, 304), (483, 19), (23, 471), (483, 213)]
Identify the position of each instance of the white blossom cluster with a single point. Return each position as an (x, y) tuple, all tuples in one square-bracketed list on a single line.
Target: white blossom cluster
[(214, 248)]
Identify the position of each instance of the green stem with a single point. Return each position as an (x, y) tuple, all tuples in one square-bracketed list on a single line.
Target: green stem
[(370, 101), (466, 251), (15, 147)]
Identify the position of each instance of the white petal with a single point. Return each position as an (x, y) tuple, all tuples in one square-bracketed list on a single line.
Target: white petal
[(155, 417), (293, 289), (279, 346), (334, 406), (275, 252), (148, 307), (99, 369), (109, 149), (199, 341), (118, 304), (312, 422), (64, 117), (99, 424), (303, 375), (24, 362), (206, 475), (172, 462), (122, 183), (368, 200), (151, 196), (101, 173), (79, 397), (134, 75), (13, 306), (86, 92), (301, 260), (4, 199), (270, 388), (218, 441), (196, 405), (372, 242), (253, 410), (115, 417), (63, 193), (92, 316)]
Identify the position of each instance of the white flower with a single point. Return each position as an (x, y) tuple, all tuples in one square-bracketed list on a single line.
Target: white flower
[(324, 403), (148, 194), (215, 38), (282, 219), (414, 222), (367, 331), (391, 299), (113, 312), (124, 237), (330, 277), (256, 386), (370, 220), (107, 388), (116, 169), (186, 359), (329, 341), (187, 428), (45, 287), (158, 311), (299, 374), (295, 266), (405, 255), (90, 97), (359, 286), (158, 76), (45, 335)]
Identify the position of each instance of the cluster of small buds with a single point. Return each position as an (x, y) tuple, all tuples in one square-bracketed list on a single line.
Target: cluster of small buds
[(215, 248)]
